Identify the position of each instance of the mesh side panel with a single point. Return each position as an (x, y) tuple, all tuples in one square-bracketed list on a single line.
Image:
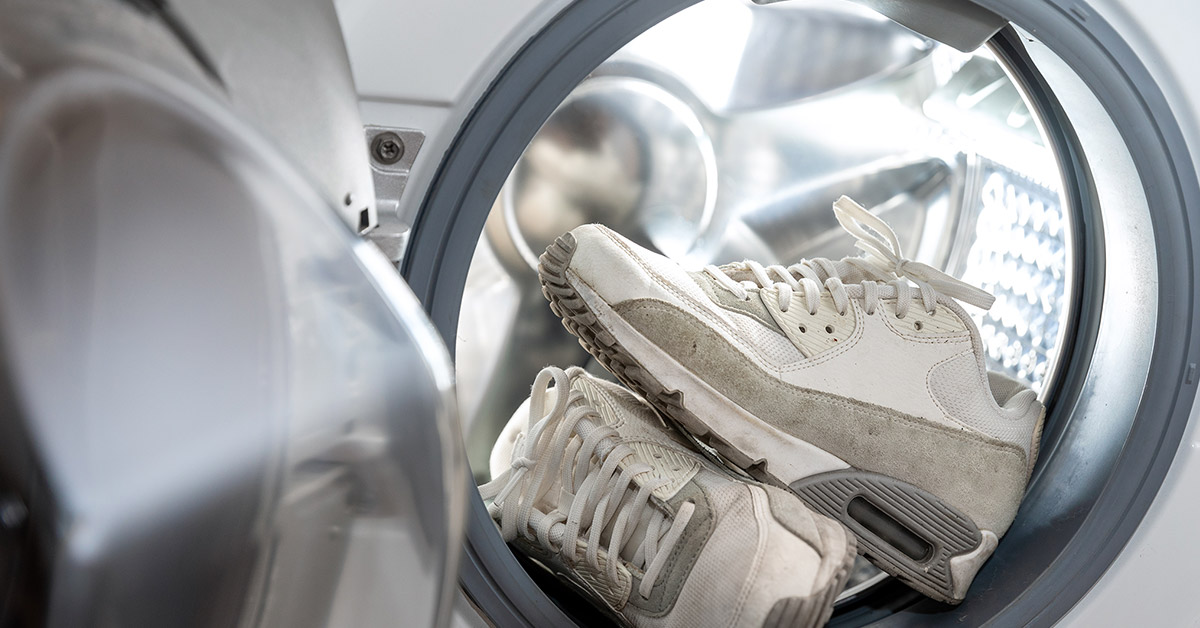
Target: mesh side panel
[(773, 347), (956, 387), (722, 490)]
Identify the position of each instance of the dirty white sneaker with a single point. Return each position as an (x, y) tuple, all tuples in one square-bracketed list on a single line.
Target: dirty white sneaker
[(859, 383), (590, 483)]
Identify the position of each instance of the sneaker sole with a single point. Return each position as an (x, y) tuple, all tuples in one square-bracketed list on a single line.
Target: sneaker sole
[(904, 530)]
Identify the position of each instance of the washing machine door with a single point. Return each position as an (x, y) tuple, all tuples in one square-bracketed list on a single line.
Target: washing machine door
[(1090, 244), (218, 406)]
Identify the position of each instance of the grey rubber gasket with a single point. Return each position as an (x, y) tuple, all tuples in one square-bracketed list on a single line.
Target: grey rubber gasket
[(1052, 570)]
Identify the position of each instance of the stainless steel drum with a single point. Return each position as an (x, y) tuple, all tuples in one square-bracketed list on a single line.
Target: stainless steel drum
[(217, 406)]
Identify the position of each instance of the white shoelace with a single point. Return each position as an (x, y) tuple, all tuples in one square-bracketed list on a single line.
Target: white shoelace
[(883, 274), (598, 489)]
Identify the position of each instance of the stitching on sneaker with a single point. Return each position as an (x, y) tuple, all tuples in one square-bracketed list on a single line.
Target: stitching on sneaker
[(947, 338)]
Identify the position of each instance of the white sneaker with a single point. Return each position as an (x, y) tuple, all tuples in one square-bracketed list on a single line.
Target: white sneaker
[(584, 477), (864, 393)]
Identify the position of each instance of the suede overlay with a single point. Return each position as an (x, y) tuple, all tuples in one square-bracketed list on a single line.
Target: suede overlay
[(982, 477)]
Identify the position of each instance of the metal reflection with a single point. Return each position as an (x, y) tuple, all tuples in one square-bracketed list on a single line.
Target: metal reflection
[(217, 406)]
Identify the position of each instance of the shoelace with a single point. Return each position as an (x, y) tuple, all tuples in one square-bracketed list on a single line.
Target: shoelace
[(598, 486), (884, 273)]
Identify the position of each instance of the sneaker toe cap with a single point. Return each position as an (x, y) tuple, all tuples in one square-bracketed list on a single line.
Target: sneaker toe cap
[(619, 270)]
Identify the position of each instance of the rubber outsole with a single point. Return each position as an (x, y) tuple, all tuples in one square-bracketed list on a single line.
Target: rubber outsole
[(897, 519), (902, 529)]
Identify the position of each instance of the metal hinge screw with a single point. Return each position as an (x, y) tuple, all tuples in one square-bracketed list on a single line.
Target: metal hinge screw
[(387, 148)]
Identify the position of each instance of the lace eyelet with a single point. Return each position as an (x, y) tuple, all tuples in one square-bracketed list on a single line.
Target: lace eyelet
[(829, 329), (917, 325), (803, 329)]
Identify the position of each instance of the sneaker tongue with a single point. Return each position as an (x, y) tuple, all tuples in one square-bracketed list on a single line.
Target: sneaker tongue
[(825, 268)]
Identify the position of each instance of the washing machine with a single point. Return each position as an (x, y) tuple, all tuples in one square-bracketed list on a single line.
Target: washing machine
[(219, 405), (1044, 150), (247, 247)]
